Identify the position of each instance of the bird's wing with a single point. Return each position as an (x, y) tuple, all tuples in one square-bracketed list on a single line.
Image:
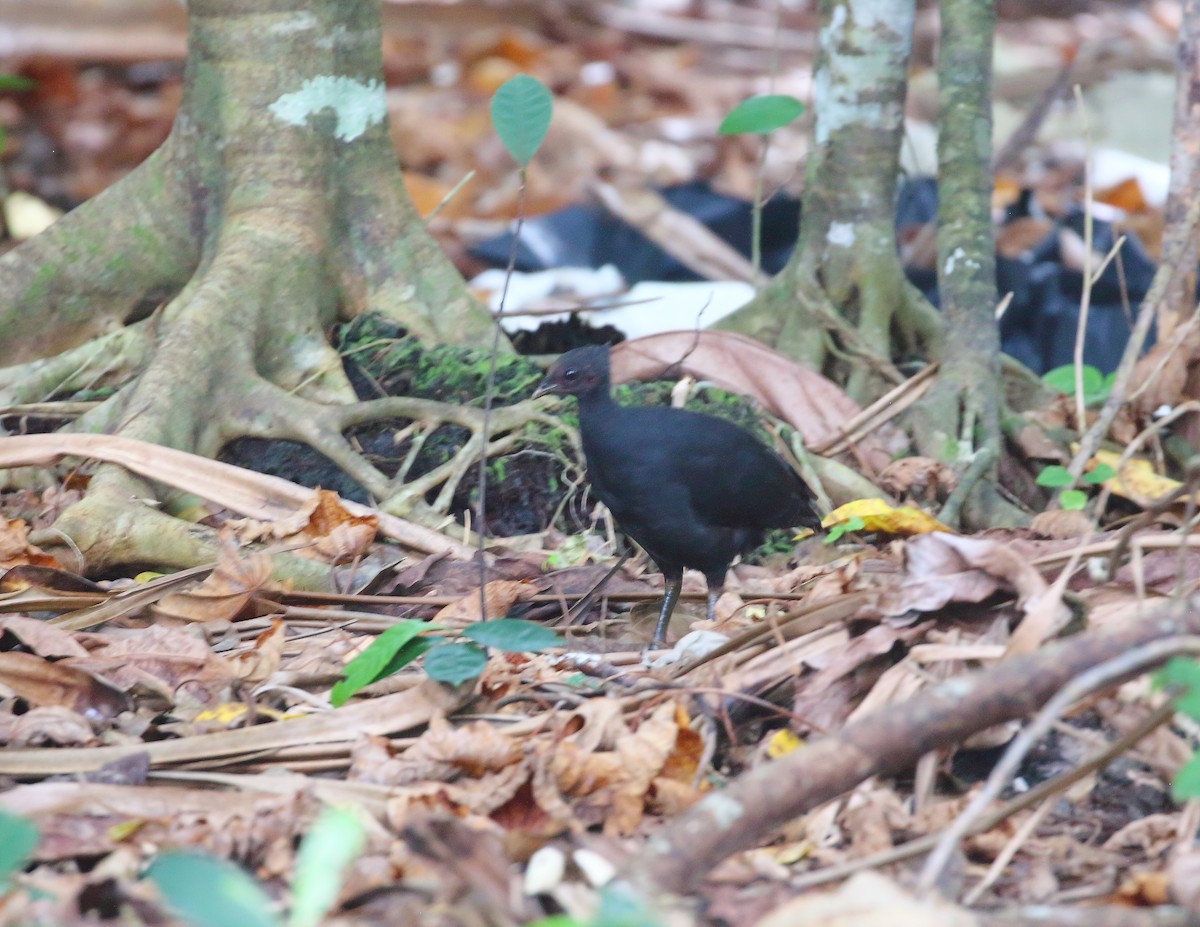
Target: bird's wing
[(740, 483)]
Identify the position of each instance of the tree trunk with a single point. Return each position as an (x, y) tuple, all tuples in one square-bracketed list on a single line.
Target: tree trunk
[(843, 290), (959, 420), (213, 271)]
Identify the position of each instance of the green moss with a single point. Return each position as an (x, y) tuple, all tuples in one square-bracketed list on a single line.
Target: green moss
[(39, 286), (403, 366)]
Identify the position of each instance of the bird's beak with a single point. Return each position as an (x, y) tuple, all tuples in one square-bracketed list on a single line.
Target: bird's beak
[(545, 388)]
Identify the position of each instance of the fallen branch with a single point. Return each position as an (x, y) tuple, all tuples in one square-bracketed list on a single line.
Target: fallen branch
[(881, 744)]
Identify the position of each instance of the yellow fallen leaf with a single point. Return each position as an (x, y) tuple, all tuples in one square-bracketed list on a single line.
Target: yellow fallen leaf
[(782, 742), (227, 713), (1136, 480), (880, 517)]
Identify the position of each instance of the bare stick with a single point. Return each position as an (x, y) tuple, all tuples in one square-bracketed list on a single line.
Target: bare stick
[(1106, 674)]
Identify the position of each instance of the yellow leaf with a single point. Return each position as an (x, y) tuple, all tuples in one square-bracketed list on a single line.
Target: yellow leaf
[(228, 713), (880, 517), (1136, 480), (782, 742)]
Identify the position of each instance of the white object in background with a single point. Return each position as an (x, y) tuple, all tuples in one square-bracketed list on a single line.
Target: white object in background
[(1111, 166), (647, 309)]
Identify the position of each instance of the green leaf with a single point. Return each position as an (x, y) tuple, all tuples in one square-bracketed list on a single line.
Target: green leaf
[(850, 525), (1182, 674), (521, 108), (210, 892), (1062, 379), (555, 920), (512, 634), (16, 82), (332, 843), (1099, 473), (1187, 780), (454, 663), (1072, 499), (376, 661), (761, 115), (18, 837), (1054, 476), (621, 908)]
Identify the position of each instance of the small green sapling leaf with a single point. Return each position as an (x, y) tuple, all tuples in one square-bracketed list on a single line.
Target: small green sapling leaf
[(454, 663), (1054, 476), (761, 115), (210, 892), (1095, 385), (1187, 781), (521, 109), (376, 661), (850, 525), (331, 844), (18, 837), (1072, 499), (512, 634), (1099, 473)]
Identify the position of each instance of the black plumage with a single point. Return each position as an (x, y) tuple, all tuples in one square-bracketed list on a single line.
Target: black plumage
[(693, 490)]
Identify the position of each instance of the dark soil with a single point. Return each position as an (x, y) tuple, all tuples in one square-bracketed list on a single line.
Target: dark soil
[(528, 490)]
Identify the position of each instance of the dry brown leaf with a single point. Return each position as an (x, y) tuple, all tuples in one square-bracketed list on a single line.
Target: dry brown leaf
[(162, 660), (642, 755), (943, 568), (43, 639), (1046, 614), (258, 495), (811, 404), (1164, 370), (256, 665), (444, 752), (15, 549), (226, 591), (1062, 524), (54, 724), (41, 682), (921, 479), (90, 818), (500, 595), (322, 529), (867, 900), (578, 773)]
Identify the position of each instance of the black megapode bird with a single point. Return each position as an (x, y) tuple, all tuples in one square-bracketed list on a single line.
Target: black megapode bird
[(693, 490)]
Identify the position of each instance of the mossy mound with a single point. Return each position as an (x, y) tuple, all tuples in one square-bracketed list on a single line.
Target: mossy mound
[(528, 489)]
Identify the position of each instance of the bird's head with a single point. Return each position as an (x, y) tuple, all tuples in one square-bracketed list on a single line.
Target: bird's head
[(577, 373)]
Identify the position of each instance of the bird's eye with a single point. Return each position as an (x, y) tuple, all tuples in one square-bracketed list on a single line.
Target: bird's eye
[(570, 374)]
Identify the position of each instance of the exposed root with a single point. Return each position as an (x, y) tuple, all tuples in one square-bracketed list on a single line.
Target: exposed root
[(322, 428), (275, 207), (108, 262), (104, 361)]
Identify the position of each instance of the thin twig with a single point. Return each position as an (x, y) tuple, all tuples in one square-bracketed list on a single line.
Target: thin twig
[(1133, 350), (1098, 677), (1039, 793), (488, 396)]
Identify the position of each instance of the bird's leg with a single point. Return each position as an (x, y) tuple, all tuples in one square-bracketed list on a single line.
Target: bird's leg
[(664, 617), (713, 595)]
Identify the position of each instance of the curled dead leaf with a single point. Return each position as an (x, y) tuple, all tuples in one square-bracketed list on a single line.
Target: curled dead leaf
[(43, 683), (226, 591), (322, 529), (256, 665), (15, 549), (922, 479), (1062, 524), (500, 595)]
